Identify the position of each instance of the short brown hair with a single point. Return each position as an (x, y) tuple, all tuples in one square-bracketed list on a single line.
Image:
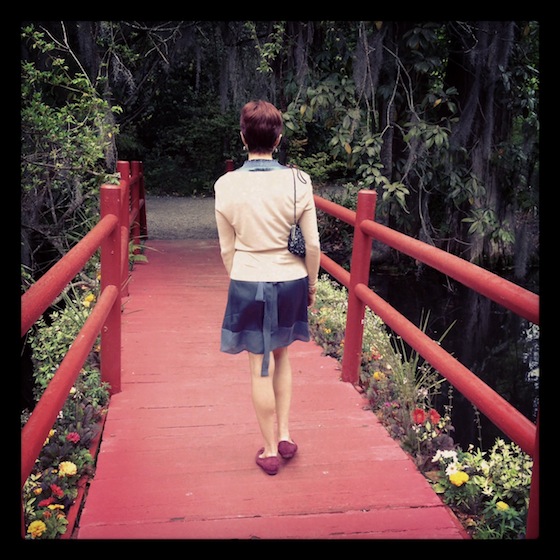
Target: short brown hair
[(261, 124)]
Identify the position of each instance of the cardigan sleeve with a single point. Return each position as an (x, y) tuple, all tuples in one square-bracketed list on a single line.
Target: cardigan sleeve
[(226, 234), (308, 223)]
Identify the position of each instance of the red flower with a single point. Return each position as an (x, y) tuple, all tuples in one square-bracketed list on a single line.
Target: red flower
[(47, 502), (418, 416), (434, 416), (57, 491), (74, 437)]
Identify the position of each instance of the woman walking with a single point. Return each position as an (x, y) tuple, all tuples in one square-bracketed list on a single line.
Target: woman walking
[(270, 288)]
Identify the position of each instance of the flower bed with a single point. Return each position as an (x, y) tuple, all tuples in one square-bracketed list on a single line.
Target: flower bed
[(54, 491)]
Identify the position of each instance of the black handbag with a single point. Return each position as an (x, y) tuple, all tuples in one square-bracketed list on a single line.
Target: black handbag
[(296, 241)]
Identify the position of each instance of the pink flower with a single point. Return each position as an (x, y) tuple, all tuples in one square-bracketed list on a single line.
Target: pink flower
[(74, 437)]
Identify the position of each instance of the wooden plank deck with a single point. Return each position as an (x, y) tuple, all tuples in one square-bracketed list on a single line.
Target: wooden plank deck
[(176, 459)]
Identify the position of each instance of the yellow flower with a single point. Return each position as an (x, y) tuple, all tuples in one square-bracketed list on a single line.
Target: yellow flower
[(67, 468), (378, 375), (51, 434), (88, 299), (55, 506), (36, 529), (502, 506), (458, 478)]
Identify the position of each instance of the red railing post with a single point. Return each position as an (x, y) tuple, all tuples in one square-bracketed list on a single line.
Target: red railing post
[(142, 220), (532, 529), (135, 206), (111, 203), (359, 274), (123, 167)]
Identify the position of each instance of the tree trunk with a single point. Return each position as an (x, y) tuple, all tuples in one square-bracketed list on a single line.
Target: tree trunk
[(475, 67)]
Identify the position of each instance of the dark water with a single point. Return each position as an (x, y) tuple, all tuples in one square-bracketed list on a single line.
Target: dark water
[(497, 345)]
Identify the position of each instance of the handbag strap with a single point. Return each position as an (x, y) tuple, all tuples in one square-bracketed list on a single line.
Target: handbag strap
[(294, 177)]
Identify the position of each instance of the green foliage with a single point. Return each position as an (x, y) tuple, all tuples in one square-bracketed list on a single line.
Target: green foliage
[(270, 49), (321, 167), (336, 235), (397, 137), (66, 132), (51, 338), (64, 122)]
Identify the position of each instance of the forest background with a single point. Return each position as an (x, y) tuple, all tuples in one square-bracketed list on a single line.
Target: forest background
[(442, 118)]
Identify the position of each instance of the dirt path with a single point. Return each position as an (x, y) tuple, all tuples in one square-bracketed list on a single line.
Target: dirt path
[(171, 217)]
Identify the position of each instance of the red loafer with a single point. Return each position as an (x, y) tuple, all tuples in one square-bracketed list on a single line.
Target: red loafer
[(287, 449), (268, 464)]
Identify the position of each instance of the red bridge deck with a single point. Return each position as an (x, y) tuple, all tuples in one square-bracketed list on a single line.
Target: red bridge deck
[(177, 455)]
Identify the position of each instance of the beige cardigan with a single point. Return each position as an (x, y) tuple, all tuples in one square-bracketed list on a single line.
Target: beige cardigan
[(254, 211)]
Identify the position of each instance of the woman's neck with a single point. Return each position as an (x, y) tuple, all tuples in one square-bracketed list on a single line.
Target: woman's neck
[(260, 156)]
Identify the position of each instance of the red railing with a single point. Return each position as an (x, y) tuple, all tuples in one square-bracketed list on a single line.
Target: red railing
[(523, 302), (121, 206)]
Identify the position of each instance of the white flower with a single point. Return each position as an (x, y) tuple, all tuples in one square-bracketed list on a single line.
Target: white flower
[(452, 468), (445, 454)]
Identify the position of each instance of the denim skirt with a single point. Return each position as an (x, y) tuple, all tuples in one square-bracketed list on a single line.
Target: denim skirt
[(263, 316)]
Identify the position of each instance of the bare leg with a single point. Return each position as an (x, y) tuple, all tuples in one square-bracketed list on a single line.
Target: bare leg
[(262, 392), (282, 383)]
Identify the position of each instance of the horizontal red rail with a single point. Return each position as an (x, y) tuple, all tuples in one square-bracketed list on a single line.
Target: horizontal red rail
[(502, 291), (42, 293)]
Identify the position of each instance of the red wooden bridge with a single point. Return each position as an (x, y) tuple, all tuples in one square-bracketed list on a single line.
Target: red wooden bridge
[(180, 439), (177, 456)]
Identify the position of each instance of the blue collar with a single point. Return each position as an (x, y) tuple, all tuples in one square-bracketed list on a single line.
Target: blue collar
[(261, 165)]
